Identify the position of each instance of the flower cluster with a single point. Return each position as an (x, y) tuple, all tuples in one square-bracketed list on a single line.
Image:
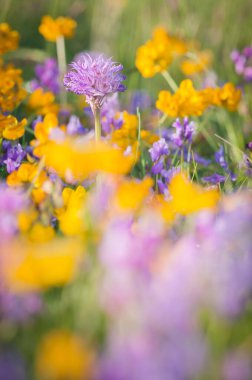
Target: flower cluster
[(51, 29), (243, 63), (157, 54)]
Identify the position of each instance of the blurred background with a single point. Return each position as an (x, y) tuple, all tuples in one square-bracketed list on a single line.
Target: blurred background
[(118, 27)]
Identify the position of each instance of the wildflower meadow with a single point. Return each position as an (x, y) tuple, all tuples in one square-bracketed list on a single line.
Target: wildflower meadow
[(125, 190)]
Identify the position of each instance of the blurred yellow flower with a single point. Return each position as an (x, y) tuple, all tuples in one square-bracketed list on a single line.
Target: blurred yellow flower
[(51, 29), (228, 96), (131, 193), (200, 61), (9, 38), (40, 233), (38, 265), (11, 91), (42, 102), (62, 355), (158, 53), (76, 159), (187, 197), (127, 135), (71, 218), (10, 128)]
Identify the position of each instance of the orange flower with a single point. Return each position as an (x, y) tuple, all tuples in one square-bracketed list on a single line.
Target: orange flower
[(62, 355), (200, 62), (42, 102), (158, 53), (188, 197), (51, 29), (10, 128), (11, 91), (9, 38), (131, 193)]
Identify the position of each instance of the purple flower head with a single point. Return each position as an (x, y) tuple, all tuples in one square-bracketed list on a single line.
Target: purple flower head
[(201, 160), (94, 77), (159, 148), (141, 100), (243, 63), (13, 157), (47, 76), (184, 132)]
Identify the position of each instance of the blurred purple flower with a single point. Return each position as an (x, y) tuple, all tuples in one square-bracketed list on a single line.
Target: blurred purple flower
[(12, 366), (19, 308), (184, 132), (13, 156), (243, 62), (47, 76), (74, 126), (159, 148), (214, 178), (141, 100), (111, 119), (94, 77)]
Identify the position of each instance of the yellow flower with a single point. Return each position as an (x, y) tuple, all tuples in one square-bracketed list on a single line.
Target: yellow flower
[(127, 135), (9, 38), (131, 193), (10, 128), (158, 53), (187, 101), (188, 197), (11, 91), (71, 218), (200, 62), (40, 233), (42, 102), (51, 29), (42, 132), (228, 96), (38, 265), (76, 159), (62, 355)]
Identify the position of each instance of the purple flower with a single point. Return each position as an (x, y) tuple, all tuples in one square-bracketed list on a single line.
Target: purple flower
[(13, 156), (47, 76), (159, 148), (12, 366), (74, 126), (201, 160), (11, 202), (111, 119), (243, 63), (184, 132), (220, 159), (214, 178), (141, 100), (94, 77)]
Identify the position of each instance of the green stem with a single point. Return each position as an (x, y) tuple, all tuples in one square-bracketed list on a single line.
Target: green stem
[(97, 117), (61, 56), (170, 81)]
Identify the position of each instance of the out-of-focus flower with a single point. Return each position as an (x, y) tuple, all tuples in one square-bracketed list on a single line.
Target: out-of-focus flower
[(74, 126), (11, 203), (25, 263), (94, 77), (228, 96), (158, 149), (158, 53), (47, 76), (71, 215), (12, 366), (91, 157), (188, 197), (141, 100), (9, 38), (20, 308), (63, 355), (13, 156), (131, 193), (11, 91), (214, 178), (111, 118), (198, 63), (184, 132), (243, 62), (11, 128), (42, 102), (51, 29)]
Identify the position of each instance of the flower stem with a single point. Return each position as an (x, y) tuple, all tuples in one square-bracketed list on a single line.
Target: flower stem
[(61, 56), (97, 117), (170, 81)]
